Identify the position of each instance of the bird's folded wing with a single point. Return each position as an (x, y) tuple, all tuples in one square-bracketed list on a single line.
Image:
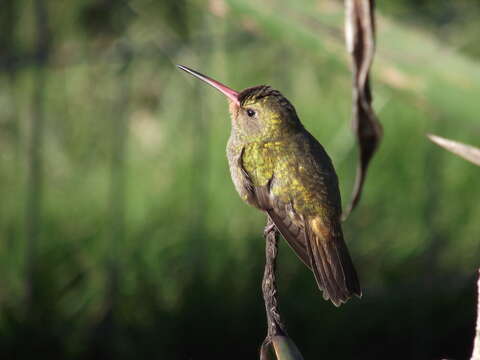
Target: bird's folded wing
[(316, 239), (322, 249), (278, 212), (292, 233)]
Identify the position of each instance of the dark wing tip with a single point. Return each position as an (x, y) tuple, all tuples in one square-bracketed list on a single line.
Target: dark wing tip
[(342, 300)]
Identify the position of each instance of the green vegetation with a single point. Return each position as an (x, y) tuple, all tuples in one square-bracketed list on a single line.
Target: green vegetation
[(141, 247)]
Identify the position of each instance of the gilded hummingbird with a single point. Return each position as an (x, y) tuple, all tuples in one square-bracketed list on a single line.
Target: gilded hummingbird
[(278, 167)]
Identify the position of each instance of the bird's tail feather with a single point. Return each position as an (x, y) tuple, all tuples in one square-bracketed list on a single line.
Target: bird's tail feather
[(333, 268)]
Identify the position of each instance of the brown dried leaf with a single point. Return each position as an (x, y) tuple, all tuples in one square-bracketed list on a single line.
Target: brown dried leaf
[(360, 37), (469, 153)]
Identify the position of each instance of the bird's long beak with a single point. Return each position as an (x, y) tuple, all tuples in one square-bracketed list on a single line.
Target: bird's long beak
[(225, 90)]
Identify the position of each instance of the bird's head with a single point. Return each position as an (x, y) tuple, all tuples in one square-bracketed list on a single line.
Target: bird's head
[(258, 113)]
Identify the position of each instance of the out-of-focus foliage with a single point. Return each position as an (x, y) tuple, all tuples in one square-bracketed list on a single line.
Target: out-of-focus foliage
[(453, 23), (142, 247)]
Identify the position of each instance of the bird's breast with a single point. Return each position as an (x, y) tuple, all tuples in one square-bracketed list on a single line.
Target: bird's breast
[(251, 165)]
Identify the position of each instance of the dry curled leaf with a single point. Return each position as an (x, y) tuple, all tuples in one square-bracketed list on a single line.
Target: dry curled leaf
[(360, 38), (469, 153)]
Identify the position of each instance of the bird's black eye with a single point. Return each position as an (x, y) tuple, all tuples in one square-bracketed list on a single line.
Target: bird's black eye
[(250, 112)]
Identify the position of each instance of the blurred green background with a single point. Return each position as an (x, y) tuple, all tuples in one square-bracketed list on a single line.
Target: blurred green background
[(121, 235)]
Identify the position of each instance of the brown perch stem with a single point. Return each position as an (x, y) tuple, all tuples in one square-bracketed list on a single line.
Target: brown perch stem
[(269, 283)]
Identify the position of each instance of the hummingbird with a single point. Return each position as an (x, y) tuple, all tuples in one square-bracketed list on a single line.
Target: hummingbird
[(278, 167)]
